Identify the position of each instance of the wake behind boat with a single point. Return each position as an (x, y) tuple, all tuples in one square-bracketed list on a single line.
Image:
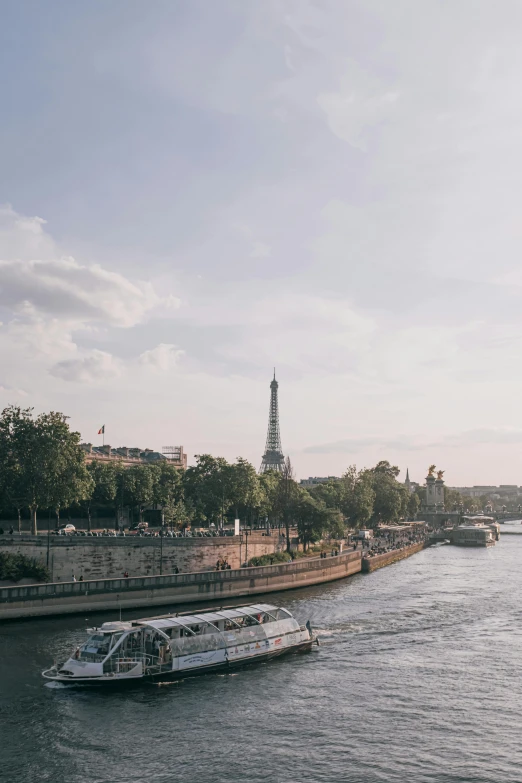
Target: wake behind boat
[(174, 645)]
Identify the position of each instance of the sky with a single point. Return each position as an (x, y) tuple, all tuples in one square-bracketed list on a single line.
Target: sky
[(193, 193)]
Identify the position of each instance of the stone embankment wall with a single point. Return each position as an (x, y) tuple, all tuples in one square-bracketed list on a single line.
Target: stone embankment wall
[(370, 564), (109, 558), (172, 590)]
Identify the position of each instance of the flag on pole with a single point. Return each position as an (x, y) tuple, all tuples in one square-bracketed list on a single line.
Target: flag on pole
[(101, 431)]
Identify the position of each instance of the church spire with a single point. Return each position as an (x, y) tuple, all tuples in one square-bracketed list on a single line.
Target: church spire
[(407, 482)]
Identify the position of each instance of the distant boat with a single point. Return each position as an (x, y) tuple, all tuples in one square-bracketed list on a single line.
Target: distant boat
[(171, 646)]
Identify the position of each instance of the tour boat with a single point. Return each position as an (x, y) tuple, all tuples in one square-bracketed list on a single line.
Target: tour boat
[(175, 645)]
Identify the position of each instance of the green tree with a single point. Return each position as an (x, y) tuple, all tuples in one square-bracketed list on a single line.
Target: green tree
[(168, 485), (208, 487), (315, 519), (413, 505), (177, 514), (106, 477), (137, 487), (391, 497), (41, 462), (330, 493), (169, 494), (270, 491), (287, 494), (244, 489), (421, 494), (357, 496)]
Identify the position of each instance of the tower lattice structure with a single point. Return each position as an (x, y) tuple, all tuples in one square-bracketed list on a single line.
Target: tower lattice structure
[(273, 458)]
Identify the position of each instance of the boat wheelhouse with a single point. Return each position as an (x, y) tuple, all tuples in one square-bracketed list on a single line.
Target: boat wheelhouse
[(176, 644)]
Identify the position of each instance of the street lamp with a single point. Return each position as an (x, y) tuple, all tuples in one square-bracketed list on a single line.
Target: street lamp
[(222, 503)]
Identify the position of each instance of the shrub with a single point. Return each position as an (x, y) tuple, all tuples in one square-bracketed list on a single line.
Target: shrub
[(277, 557), (17, 566)]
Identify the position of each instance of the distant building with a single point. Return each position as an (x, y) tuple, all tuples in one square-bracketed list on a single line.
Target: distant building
[(312, 481), (134, 456), (477, 490), (411, 486)]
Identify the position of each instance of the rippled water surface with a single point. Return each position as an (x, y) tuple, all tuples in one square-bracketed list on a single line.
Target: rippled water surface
[(418, 678)]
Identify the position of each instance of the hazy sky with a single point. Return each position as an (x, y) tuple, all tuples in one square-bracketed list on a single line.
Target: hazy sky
[(195, 191)]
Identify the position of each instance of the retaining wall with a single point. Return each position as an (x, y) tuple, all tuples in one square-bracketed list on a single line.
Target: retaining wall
[(172, 589), (370, 564), (109, 558)]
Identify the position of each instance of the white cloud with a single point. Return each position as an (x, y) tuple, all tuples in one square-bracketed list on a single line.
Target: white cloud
[(35, 275), (164, 357), (64, 287), (359, 103), (51, 300), (260, 250), (96, 367)]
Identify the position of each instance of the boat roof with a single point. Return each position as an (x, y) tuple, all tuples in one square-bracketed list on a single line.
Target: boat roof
[(112, 627), (171, 621)]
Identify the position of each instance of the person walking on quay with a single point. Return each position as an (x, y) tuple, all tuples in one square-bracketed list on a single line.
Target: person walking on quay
[(73, 578)]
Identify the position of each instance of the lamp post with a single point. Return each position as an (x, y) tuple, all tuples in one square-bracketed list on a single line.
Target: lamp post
[(48, 537), (222, 504)]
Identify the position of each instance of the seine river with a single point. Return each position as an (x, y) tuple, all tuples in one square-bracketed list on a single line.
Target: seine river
[(418, 678)]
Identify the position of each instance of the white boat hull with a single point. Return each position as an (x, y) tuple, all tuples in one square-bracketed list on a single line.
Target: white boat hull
[(171, 647)]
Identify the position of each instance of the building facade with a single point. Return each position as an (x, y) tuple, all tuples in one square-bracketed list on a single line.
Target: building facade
[(134, 456), (312, 481)]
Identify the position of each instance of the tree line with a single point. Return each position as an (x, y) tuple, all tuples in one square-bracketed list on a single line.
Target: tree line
[(42, 468)]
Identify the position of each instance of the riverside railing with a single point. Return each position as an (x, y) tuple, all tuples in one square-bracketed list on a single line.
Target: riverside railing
[(130, 584)]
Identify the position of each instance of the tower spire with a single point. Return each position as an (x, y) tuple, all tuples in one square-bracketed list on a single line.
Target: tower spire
[(273, 458)]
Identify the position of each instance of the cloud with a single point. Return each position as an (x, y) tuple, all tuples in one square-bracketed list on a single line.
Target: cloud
[(64, 287), (484, 435), (357, 444), (303, 331), (10, 390), (58, 308), (96, 367), (59, 286), (164, 357), (260, 250), (359, 103)]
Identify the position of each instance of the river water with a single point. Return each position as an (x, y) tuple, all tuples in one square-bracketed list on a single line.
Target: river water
[(418, 678)]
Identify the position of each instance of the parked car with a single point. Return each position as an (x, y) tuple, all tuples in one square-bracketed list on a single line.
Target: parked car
[(67, 530), (140, 526)]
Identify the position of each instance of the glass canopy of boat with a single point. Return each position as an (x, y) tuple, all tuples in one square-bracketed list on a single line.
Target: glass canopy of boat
[(225, 619)]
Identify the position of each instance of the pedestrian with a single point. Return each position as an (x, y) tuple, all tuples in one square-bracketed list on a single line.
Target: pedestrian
[(73, 578), (126, 574), (81, 578)]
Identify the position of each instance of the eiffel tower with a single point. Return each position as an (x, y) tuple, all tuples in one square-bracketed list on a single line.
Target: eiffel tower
[(273, 458)]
